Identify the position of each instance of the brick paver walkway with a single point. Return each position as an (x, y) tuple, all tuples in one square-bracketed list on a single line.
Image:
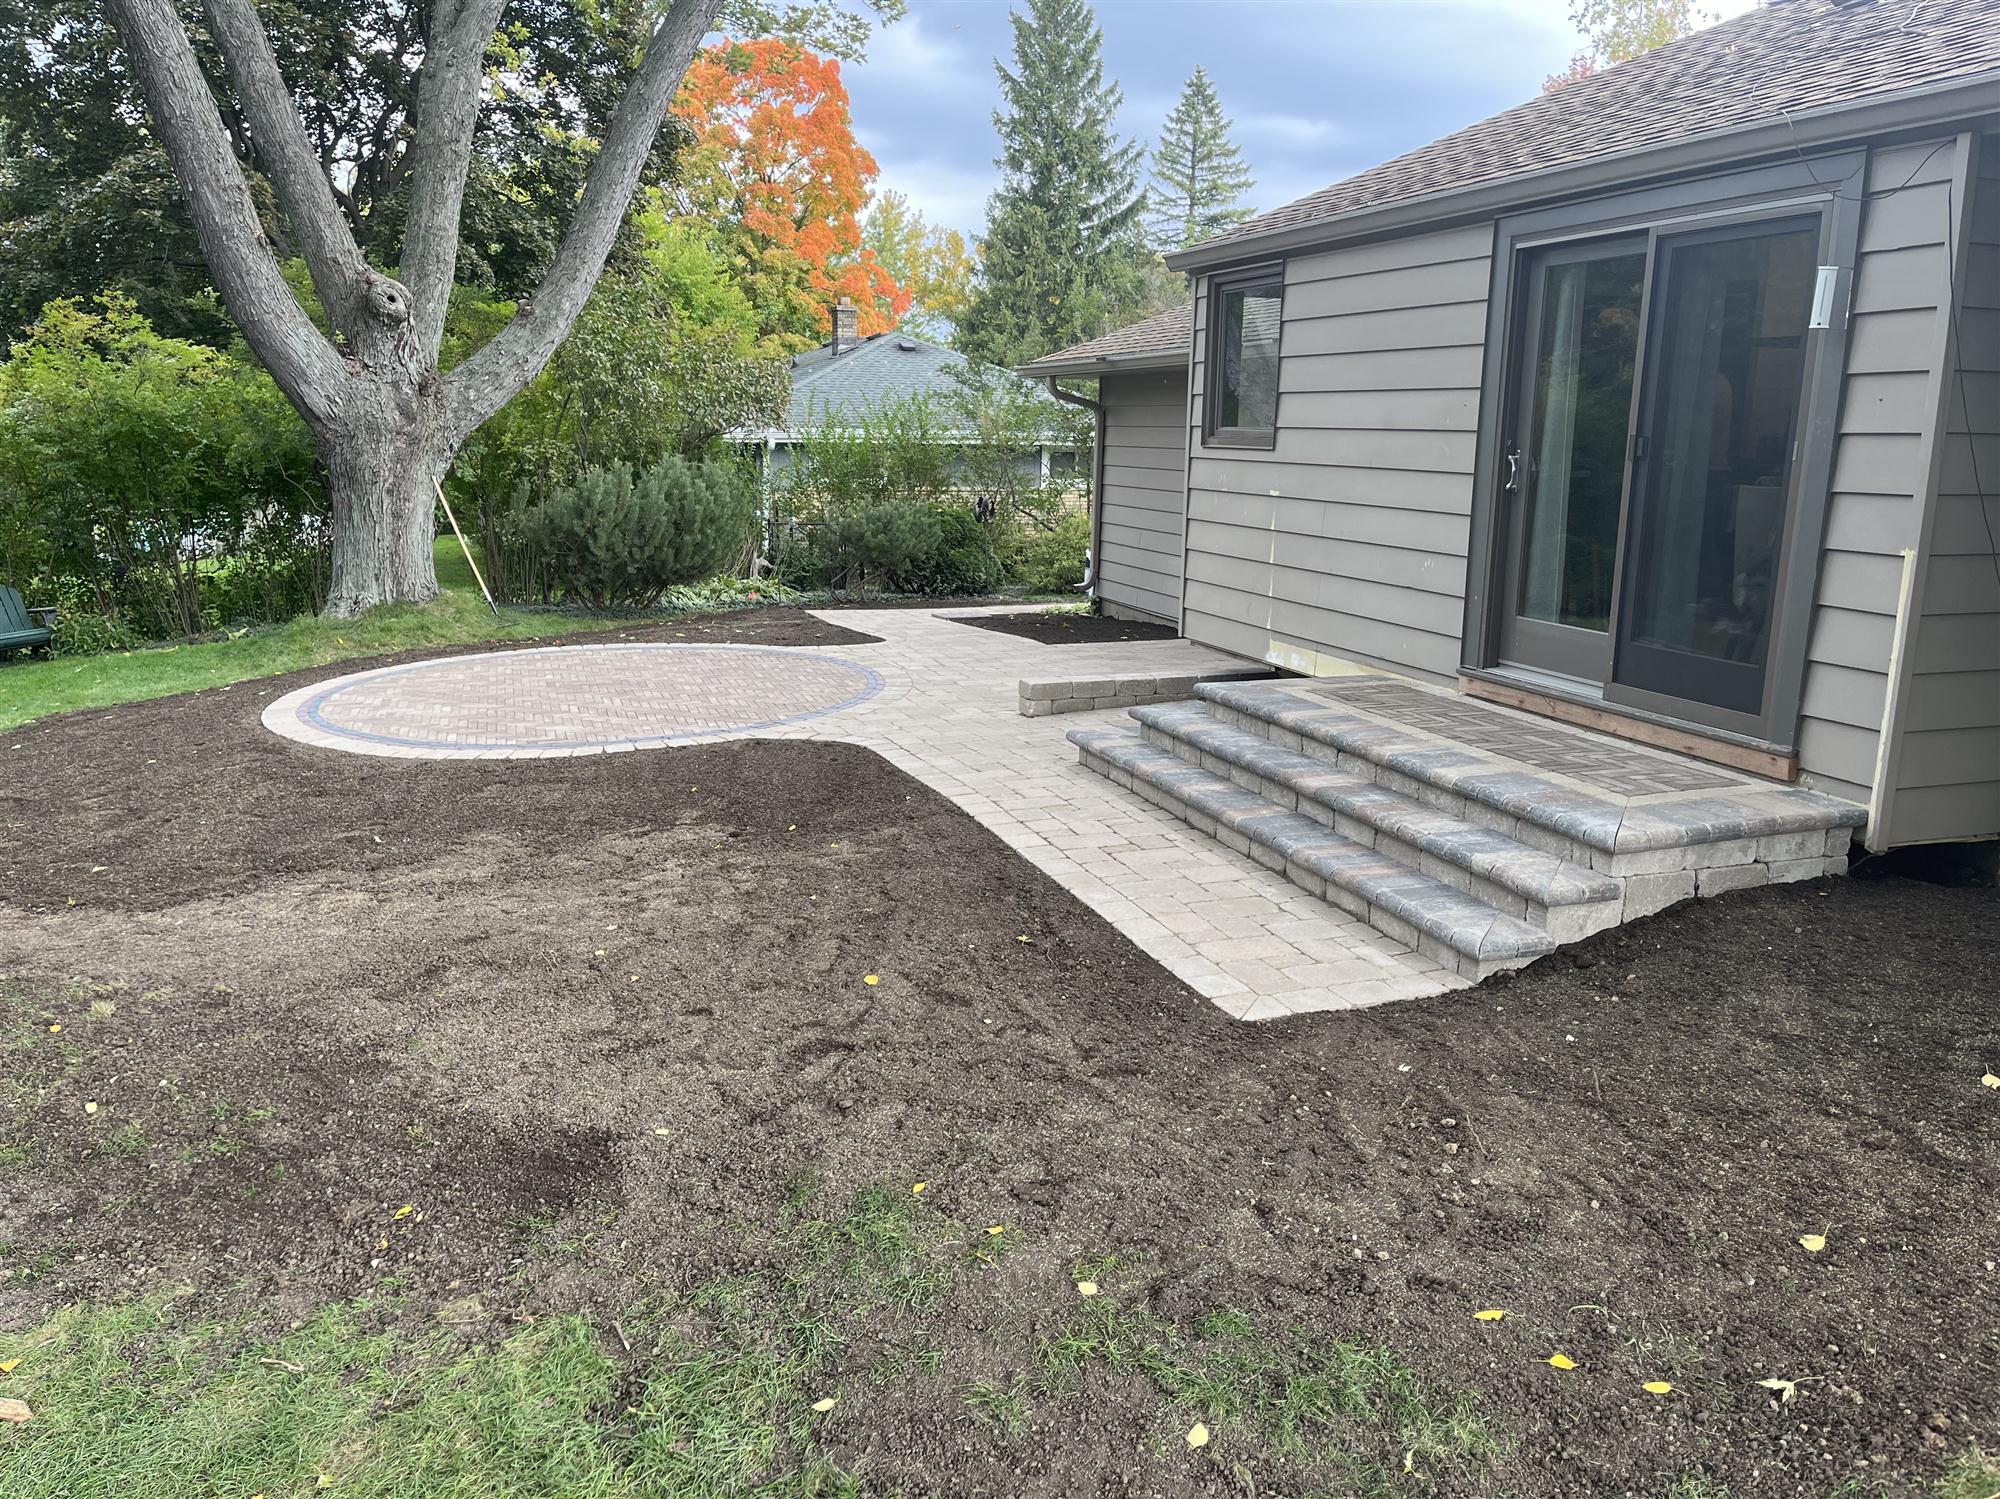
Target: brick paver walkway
[(936, 699)]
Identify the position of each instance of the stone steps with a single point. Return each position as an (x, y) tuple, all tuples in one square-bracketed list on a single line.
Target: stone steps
[(1566, 899), (1480, 838), (1445, 923), (1734, 827)]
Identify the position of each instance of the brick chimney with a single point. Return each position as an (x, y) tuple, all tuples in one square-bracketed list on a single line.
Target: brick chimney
[(846, 326)]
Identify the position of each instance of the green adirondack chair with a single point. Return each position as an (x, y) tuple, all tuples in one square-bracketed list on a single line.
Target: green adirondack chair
[(22, 628)]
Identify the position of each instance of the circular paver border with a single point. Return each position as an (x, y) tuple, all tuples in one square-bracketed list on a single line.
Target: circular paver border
[(298, 715)]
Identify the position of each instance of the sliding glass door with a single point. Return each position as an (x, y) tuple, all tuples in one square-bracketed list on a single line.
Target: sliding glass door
[(1647, 454), (1565, 454), (1711, 481)]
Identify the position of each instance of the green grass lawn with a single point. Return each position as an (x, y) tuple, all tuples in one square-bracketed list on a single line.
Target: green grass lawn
[(33, 688)]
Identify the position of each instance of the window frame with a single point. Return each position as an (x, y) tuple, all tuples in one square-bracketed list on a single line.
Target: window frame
[(1213, 433)]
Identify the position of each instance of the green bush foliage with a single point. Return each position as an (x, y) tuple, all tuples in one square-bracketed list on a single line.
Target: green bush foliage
[(662, 362), (1052, 559), (619, 537), (881, 541), (962, 562), (134, 467)]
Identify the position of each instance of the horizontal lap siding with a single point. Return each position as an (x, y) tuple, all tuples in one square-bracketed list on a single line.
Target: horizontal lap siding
[(1948, 765), (1145, 489), (1888, 402), (1348, 538)]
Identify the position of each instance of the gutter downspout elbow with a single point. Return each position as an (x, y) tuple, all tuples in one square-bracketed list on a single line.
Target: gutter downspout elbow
[(1091, 562)]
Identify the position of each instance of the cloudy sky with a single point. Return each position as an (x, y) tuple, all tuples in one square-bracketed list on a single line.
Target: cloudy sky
[(1318, 89)]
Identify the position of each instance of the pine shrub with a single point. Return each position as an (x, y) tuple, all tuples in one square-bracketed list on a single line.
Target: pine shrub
[(619, 537), (963, 561)]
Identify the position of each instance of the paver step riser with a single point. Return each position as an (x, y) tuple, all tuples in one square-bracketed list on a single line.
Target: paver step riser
[(1445, 924), (1649, 880), (1436, 797), (1813, 837), (1566, 921)]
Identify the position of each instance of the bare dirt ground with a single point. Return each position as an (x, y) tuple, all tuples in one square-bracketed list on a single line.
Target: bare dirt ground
[(602, 1025), (1065, 627)]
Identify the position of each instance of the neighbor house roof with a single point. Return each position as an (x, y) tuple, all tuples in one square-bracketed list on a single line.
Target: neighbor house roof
[(1155, 342), (882, 368), (1782, 65)]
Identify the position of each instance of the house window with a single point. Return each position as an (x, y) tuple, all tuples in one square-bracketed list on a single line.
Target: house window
[(1245, 313)]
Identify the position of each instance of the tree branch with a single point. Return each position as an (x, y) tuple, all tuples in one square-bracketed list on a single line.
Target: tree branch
[(447, 114), (294, 168), (484, 383), (239, 257)]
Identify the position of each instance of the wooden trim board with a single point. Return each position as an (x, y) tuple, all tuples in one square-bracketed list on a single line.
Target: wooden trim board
[(1660, 736)]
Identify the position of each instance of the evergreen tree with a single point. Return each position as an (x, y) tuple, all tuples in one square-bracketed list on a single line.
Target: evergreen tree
[(1062, 243), (1199, 177)]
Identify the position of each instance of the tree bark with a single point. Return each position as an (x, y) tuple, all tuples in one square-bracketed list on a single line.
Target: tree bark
[(380, 464)]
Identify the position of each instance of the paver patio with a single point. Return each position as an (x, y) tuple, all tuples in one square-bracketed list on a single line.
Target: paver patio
[(938, 700)]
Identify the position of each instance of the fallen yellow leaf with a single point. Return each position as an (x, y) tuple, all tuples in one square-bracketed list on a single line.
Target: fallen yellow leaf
[(1086, 1288), (90, 1108), (871, 978), (404, 1211), (8, 1366), (1197, 1435), (823, 1406), (1491, 1314), (1786, 1388), (1657, 1387), (996, 1228), (1812, 1243), (1562, 1361), (56, 1027), (917, 1188)]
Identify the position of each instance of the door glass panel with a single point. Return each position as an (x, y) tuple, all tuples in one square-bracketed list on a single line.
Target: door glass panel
[(1711, 513), (1574, 450)]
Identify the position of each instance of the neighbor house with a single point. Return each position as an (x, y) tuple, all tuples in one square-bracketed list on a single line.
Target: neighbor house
[(1667, 403), (849, 380)]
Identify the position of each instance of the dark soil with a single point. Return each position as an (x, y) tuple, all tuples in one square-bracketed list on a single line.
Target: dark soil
[(330, 985), (1068, 628)]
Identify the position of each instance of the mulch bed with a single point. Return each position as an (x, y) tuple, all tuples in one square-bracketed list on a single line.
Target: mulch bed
[(337, 984), (1069, 628)]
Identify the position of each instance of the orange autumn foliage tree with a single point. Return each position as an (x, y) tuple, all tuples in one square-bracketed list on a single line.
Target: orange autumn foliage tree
[(775, 161)]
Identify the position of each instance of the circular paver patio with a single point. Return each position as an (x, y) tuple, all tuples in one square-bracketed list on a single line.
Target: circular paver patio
[(570, 700)]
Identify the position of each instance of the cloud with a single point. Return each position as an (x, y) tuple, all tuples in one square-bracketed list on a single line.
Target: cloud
[(913, 54), (1290, 129)]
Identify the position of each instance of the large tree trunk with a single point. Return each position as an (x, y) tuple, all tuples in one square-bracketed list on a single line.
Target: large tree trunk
[(386, 422), (381, 459)]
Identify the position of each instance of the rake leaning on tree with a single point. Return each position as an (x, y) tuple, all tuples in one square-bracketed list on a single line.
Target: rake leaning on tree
[(387, 421)]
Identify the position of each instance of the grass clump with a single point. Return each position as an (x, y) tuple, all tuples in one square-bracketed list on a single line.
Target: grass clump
[(1314, 1401)]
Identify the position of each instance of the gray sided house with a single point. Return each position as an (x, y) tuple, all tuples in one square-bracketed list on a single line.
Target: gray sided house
[(1667, 403)]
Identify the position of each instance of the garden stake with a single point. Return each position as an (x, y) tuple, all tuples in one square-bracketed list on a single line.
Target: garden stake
[(464, 547)]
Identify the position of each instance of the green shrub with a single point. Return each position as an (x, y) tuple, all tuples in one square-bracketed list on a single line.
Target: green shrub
[(619, 537), (962, 562), (130, 463), (1052, 560), (882, 541)]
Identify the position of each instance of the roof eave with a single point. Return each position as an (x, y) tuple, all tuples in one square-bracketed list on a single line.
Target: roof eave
[(1959, 98), (1103, 364)]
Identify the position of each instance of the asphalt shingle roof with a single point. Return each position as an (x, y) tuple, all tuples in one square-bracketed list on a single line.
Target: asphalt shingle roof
[(882, 368), (1785, 57), (1164, 335)]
